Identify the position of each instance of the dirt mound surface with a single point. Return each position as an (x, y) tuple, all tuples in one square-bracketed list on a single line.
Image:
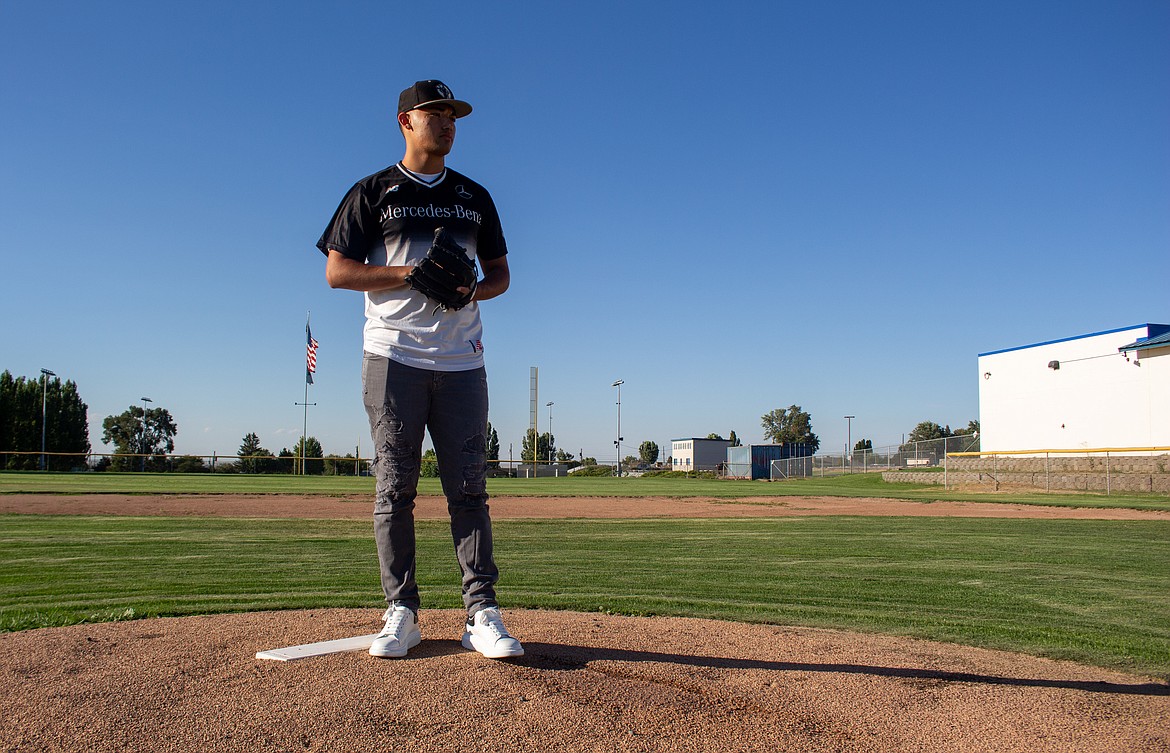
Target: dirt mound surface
[(589, 682)]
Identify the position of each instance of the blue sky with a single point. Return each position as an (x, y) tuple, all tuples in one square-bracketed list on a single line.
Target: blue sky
[(731, 206)]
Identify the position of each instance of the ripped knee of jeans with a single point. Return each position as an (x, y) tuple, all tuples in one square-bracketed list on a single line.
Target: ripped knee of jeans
[(475, 469), (395, 464)]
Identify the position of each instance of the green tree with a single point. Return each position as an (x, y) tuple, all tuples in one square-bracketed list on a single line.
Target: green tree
[(20, 421), (493, 443), (648, 452), (253, 457), (790, 424), (147, 433), (971, 444), (861, 449), (23, 403), (429, 468), (714, 436), (545, 444), (189, 464), (735, 440), (972, 428), (313, 455), (927, 430), (341, 465), (285, 461)]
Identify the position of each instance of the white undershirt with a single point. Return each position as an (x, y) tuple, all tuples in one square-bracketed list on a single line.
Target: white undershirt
[(428, 178)]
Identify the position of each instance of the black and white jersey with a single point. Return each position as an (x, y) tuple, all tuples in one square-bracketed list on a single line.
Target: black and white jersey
[(390, 219)]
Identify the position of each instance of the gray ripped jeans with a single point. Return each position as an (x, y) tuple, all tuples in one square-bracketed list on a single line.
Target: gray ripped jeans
[(402, 402)]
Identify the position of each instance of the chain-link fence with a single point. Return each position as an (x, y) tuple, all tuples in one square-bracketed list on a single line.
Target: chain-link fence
[(1124, 469), (329, 465), (927, 453)]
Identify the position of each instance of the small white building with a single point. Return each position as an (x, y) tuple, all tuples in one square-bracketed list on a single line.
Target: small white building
[(1103, 390), (694, 454)]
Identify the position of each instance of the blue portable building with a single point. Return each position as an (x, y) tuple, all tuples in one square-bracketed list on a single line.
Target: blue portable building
[(755, 461)]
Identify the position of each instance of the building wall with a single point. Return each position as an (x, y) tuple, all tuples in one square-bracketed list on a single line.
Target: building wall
[(694, 454), (1097, 398)]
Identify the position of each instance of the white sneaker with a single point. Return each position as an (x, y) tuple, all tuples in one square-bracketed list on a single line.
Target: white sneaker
[(400, 634), (487, 635)]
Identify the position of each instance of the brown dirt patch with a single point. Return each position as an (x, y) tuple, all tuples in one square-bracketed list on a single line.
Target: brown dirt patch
[(590, 682), (360, 507)]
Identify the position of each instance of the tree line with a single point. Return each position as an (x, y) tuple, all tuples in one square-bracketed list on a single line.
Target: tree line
[(49, 410), (41, 409), (793, 424)]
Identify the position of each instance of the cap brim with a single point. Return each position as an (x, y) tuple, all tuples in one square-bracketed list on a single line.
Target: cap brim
[(462, 109)]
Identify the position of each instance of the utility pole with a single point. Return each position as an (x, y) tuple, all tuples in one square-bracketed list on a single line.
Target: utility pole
[(849, 441), (142, 447), (618, 443), (45, 374)]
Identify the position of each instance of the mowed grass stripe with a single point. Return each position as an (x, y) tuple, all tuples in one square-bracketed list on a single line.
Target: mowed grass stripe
[(1091, 591)]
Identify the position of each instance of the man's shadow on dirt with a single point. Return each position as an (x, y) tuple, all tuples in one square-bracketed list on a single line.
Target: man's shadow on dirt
[(561, 657)]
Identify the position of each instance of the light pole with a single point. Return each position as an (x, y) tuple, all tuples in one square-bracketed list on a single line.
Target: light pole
[(45, 374), (618, 442), (849, 440), (142, 446), (550, 438)]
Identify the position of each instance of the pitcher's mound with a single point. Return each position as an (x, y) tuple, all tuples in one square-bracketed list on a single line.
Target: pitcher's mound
[(589, 682)]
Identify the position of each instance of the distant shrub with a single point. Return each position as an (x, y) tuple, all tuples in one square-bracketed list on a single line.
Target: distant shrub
[(593, 470), (679, 474)]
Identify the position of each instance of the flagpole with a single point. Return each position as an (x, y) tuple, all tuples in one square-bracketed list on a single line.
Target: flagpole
[(305, 428), (310, 367)]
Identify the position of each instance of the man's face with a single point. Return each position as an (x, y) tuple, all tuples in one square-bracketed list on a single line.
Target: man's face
[(431, 129)]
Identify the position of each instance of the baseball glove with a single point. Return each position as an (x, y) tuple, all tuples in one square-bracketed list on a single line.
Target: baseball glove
[(445, 268)]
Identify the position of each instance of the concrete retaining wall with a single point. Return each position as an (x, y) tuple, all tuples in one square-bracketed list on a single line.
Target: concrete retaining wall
[(1093, 474)]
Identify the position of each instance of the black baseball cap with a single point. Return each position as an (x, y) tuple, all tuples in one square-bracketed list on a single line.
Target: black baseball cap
[(431, 92)]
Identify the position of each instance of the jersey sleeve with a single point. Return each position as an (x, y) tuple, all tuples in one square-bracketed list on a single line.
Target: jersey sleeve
[(490, 244), (350, 231)]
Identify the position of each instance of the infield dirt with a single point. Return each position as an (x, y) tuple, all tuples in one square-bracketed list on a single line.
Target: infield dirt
[(589, 682)]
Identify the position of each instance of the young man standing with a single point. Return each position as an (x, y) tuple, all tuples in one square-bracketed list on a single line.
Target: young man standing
[(423, 364)]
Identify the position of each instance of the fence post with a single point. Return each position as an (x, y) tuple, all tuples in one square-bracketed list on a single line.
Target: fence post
[(1106, 474), (1047, 476)]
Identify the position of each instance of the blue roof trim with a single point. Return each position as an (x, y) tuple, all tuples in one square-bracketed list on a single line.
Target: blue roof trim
[(1145, 343), (1153, 330)]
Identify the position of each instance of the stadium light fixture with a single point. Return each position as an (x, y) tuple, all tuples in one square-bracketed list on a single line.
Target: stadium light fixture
[(849, 440), (550, 457), (45, 374), (142, 447), (618, 443)]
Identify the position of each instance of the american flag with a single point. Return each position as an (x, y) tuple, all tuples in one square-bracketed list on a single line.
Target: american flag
[(310, 355)]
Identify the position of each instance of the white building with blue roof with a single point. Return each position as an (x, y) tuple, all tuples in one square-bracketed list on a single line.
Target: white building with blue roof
[(1104, 390)]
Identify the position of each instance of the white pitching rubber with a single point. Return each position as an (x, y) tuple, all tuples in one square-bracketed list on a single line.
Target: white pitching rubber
[(290, 653)]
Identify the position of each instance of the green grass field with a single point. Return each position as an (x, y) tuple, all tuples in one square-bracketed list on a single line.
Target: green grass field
[(1097, 592), (857, 485)]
